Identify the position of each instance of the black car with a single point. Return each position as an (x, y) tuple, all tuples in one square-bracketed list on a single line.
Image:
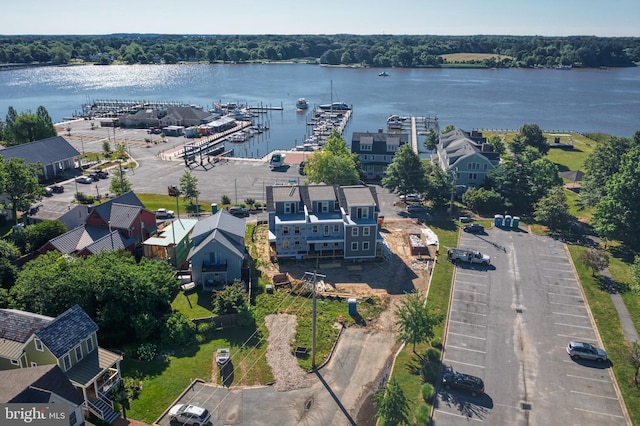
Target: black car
[(301, 168), (238, 211), (464, 382), (474, 228), (58, 189)]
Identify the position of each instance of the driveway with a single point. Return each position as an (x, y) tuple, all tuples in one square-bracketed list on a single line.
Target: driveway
[(361, 361)]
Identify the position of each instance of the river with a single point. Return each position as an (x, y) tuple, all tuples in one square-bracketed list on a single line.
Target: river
[(557, 100)]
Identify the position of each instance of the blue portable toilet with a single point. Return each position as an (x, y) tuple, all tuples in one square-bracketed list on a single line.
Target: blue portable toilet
[(352, 307), (507, 221), (497, 220), (516, 222), (214, 208)]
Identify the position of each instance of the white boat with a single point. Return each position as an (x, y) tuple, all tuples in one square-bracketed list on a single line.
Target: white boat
[(302, 103), (277, 160)]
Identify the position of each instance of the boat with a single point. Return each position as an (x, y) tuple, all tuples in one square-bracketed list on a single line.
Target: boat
[(383, 74), (277, 160), (335, 106), (302, 103)]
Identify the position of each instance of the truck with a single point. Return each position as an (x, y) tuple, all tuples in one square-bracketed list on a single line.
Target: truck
[(164, 214), (469, 256)]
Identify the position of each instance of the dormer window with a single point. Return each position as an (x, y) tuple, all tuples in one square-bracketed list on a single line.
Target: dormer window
[(38, 344), (288, 207), (90, 345), (79, 354), (66, 362), (324, 206)]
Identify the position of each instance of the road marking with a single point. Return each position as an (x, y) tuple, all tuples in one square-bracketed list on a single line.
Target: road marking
[(599, 413), (573, 336), (466, 335), (468, 312), (556, 270), (459, 415), (467, 301), (469, 282), (467, 323), (588, 378), (593, 394), (571, 325), (472, 292), (568, 295), (466, 274), (570, 315), (466, 349), (464, 363), (561, 286), (566, 304), (559, 278)]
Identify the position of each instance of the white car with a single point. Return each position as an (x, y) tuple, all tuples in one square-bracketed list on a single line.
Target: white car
[(222, 356), (188, 414)]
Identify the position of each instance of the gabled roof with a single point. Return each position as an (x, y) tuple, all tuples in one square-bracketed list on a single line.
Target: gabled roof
[(66, 331), (128, 198), (112, 241), (122, 215), (35, 384), (44, 151), (223, 228), (19, 326), (78, 238)]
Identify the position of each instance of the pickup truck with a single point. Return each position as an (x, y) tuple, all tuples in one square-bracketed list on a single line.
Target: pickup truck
[(469, 256), (164, 214)]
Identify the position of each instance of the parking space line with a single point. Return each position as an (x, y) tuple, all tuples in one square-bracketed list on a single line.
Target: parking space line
[(472, 292), (568, 271), (567, 304), (596, 395), (459, 415), (570, 315), (599, 413), (573, 336), (464, 363), (588, 378), (568, 295), (467, 301), (571, 325), (466, 274), (468, 312), (468, 336), (561, 286), (466, 349), (559, 278), (469, 282), (466, 323)]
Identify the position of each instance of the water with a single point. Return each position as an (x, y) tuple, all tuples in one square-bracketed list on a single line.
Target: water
[(578, 100)]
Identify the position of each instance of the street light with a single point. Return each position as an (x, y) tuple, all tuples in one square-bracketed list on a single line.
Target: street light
[(454, 175)]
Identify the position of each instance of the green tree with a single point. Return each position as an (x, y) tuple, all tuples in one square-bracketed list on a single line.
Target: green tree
[(481, 200), (106, 148), (602, 163), (406, 173), (595, 259), (448, 128), (392, 404), (21, 184), (189, 187), (230, 300), (532, 135), (35, 236), (552, 210), (432, 139), (635, 268), (334, 165), (415, 322), (438, 185), (28, 127), (120, 184), (497, 144)]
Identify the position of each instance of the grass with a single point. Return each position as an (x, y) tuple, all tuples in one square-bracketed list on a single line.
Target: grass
[(463, 57)]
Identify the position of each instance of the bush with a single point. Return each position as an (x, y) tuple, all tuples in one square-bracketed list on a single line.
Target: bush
[(422, 414), (427, 390), (430, 371), (178, 329), (84, 198), (147, 351), (225, 199), (433, 355)]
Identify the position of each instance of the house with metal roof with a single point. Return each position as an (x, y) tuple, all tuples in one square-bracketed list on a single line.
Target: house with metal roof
[(55, 155), (324, 221), (45, 384), (173, 242), (68, 341), (218, 254), (376, 151)]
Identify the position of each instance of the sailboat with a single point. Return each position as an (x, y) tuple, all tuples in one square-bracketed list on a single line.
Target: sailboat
[(334, 106)]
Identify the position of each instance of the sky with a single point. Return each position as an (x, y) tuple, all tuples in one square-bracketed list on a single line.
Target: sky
[(610, 18)]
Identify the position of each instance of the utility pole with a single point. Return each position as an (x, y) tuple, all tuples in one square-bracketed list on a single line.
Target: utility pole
[(313, 322)]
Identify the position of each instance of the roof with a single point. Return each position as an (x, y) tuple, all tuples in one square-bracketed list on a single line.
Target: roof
[(91, 366), (223, 228), (179, 227), (78, 238), (358, 195), (33, 385), (44, 151), (19, 326), (66, 331), (128, 198), (123, 215)]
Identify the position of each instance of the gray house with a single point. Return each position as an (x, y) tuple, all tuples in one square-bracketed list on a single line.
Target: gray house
[(376, 151), (218, 253), (55, 155), (323, 221)]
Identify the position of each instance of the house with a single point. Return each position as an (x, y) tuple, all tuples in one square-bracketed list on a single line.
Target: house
[(45, 384), (55, 155), (172, 243), (68, 341), (376, 151), (218, 253), (120, 223), (71, 215), (323, 221), (468, 155)]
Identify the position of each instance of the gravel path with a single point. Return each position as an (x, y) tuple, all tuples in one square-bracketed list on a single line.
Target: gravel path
[(288, 374)]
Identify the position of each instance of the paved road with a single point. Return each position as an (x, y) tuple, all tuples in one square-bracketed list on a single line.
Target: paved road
[(358, 366), (510, 324)]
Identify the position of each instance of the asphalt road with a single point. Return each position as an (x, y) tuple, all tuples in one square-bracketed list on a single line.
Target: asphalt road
[(510, 324)]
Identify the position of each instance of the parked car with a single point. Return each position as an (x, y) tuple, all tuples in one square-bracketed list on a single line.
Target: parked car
[(188, 414), (416, 208), (58, 189), (84, 179), (474, 228), (48, 191), (164, 214), (410, 198), (94, 176), (464, 382), (238, 211), (223, 355), (464, 219), (301, 168), (578, 350), (102, 174)]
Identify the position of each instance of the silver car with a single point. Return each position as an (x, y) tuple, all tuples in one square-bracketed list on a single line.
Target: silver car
[(189, 415), (582, 350)]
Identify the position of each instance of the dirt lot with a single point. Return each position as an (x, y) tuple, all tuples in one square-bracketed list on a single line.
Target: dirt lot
[(400, 273)]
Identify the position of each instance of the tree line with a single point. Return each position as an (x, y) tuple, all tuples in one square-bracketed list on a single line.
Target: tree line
[(408, 51)]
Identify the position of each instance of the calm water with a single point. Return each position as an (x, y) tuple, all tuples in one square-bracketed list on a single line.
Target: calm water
[(580, 100)]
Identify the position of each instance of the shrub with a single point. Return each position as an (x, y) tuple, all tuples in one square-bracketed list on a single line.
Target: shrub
[(225, 199), (178, 329), (427, 390), (433, 355), (422, 414), (147, 351), (430, 371)]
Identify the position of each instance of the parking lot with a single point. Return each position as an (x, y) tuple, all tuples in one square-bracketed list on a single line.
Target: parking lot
[(509, 324)]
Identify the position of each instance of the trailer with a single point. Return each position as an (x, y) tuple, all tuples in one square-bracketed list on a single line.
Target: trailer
[(469, 256)]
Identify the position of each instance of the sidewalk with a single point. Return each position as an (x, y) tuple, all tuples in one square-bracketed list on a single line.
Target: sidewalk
[(629, 330)]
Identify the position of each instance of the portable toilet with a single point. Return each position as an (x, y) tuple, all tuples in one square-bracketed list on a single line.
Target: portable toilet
[(497, 220), (515, 222), (352, 307), (214, 208), (507, 221)]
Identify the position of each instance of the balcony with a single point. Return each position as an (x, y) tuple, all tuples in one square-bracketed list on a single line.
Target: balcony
[(217, 267)]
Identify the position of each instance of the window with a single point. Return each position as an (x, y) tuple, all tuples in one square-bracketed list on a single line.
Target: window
[(15, 362), (314, 229), (288, 208), (296, 244), (66, 362), (89, 345), (365, 246), (485, 166), (38, 344), (365, 157), (336, 229), (285, 245), (366, 231), (296, 229), (324, 206), (473, 176), (354, 246), (34, 364), (366, 147), (325, 230), (73, 419), (355, 231), (285, 230), (79, 354)]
